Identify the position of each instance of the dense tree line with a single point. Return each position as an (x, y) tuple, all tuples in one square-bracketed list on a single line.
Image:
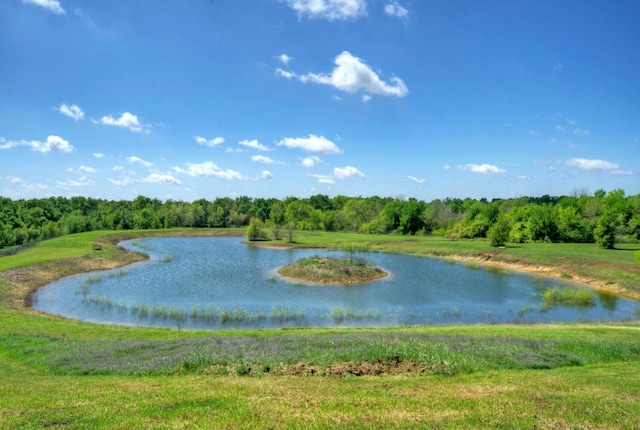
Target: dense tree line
[(604, 217)]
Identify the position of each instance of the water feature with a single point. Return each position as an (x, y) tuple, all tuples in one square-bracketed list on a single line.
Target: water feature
[(221, 283)]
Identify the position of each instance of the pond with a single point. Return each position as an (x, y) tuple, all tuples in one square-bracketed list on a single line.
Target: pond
[(213, 283)]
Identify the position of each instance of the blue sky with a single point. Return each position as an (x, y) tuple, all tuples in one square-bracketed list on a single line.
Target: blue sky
[(272, 98)]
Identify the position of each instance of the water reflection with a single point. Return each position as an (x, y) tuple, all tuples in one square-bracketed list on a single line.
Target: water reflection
[(218, 283)]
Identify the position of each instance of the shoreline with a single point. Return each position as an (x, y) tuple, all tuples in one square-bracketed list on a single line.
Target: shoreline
[(552, 272), (26, 280)]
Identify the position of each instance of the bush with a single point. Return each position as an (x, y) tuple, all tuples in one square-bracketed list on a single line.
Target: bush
[(499, 233)]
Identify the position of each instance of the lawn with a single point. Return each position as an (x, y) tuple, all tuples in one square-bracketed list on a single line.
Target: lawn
[(58, 373)]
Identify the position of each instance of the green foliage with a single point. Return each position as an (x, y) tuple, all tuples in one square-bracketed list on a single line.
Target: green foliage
[(255, 230), (499, 233), (567, 296), (602, 217), (605, 231)]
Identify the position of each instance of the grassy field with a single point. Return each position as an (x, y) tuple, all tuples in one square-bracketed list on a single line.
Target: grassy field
[(58, 373)]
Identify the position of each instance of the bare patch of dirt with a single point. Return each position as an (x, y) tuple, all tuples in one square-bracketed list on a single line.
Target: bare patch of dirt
[(388, 366)]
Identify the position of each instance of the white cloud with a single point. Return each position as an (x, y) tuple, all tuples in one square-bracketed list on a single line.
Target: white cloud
[(329, 9), (51, 5), (88, 169), (98, 154), (347, 172), (263, 159), (254, 144), (53, 143), (266, 175), (211, 143), (121, 182), (596, 165), (366, 98), (485, 169), (284, 58), (138, 160), (73, 183), (208, 169), (312, 143), (352, 75), (72, 111), (162, 179), (126, 120), (310, 161), (559, 128), (581, 132), (395, 10), (323, 179), (416, 180), (558, 66), (285, 74)]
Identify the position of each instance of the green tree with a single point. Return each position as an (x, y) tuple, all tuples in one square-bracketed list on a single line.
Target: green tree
[(498, 234), (605, 232), (255, 231)]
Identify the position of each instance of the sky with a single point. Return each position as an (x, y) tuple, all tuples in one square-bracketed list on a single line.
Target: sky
[(429, 99)]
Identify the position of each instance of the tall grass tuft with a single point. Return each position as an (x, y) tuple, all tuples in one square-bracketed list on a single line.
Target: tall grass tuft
[(567, 296)]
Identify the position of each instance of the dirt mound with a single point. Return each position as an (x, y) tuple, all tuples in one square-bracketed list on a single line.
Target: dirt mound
[(388, 366)]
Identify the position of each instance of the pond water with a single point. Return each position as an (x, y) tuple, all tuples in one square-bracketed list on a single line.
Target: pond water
[(221, 283)]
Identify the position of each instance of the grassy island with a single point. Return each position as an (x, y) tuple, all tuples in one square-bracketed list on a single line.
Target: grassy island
[(338, 271)]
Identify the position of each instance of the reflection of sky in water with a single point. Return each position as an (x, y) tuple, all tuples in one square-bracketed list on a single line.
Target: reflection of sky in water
[(191, 275)]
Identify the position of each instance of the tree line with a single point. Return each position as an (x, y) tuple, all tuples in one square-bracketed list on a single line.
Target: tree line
[(603, 217)]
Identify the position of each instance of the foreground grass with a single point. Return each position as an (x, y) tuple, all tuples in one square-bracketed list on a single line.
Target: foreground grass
[(58, 373)]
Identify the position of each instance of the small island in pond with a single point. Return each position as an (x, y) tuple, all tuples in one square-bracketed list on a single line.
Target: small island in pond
[(337, 271)]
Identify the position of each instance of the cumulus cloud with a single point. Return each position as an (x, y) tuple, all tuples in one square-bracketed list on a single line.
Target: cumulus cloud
[(323, 179), (87, 169), (329, 9), (395, 10), (74, 183), (485, 169), (162, 179), (126, 120), (72, 111), (208, 169), (50, 5), (264, 160), (125, 180), (353, 75), (312, 143), (310, 161), (53, 143), (25, 186), (266, 175), (284, 58), (98, 154), (596, 165), (211, 142), (254, 144), (347, 172), (138, 160), (416, 180)]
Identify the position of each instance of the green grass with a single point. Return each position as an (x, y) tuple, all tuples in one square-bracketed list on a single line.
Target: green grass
[(59, 373)]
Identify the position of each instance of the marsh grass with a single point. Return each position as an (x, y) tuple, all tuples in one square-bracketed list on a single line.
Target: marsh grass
[(568, 297), (85, 287)]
